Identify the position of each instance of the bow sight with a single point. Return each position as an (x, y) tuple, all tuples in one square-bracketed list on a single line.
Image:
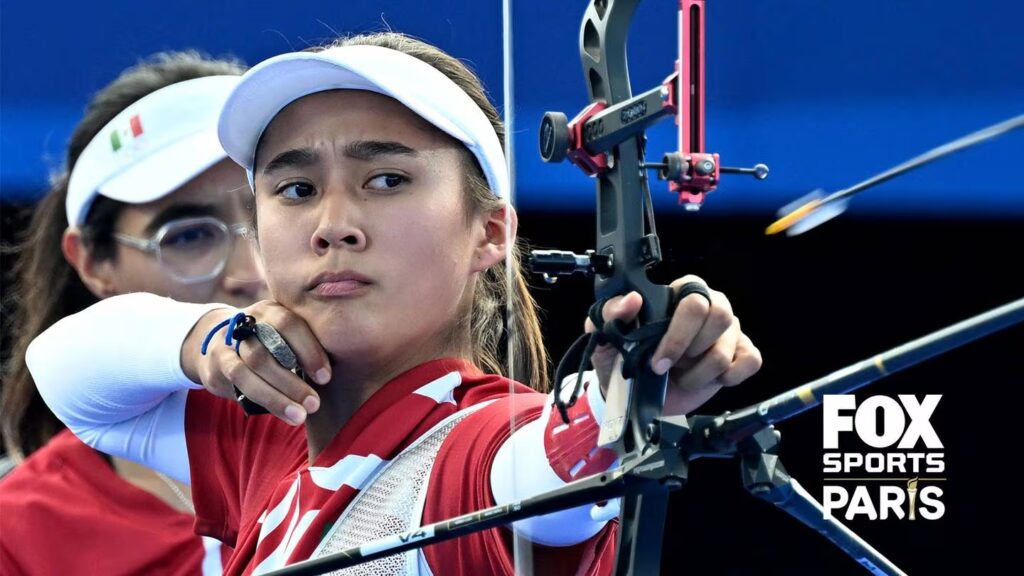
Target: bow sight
[(589, 140), (606, 140)]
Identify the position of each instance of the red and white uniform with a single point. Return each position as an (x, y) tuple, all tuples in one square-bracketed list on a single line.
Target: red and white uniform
[(252, 484), (64, 510)]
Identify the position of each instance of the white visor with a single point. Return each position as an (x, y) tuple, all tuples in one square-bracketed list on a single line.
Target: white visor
[(273, 84), (152, 147)]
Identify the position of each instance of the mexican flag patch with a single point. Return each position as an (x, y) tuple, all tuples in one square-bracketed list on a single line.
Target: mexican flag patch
[(118, 138)]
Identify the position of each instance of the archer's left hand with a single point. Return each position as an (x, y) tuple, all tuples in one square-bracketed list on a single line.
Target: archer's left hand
[(703, 350)]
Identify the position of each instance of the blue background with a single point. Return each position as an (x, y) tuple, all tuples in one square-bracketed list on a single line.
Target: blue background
[(825, 93)]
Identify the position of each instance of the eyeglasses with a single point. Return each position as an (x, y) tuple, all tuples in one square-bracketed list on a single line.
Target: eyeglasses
[(192, 249)]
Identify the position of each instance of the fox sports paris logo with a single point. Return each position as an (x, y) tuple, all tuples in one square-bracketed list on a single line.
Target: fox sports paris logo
[(883, 459)]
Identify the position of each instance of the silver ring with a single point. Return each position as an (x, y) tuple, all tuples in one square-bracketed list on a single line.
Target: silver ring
[(276, 345)]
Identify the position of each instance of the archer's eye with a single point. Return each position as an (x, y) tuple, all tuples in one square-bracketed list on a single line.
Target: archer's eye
[(296, 191), (386, 182)]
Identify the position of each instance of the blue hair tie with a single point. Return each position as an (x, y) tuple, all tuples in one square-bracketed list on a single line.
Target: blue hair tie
[(240, 326)]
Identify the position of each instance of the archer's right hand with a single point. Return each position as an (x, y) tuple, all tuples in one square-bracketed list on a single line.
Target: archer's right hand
[(253, 371)]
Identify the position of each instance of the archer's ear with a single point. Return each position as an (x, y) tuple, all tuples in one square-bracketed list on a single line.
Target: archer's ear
[(98, 277), (499, 235)]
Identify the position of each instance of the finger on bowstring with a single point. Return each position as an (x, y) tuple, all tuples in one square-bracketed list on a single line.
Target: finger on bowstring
[(711, 365), (258, 359), (296, 333), (258, 390), (746, 362)]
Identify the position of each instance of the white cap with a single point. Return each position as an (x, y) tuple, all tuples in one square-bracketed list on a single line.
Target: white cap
[(152, 147), (273, 84)]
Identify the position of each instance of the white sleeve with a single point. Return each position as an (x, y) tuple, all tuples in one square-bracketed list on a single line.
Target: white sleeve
[(535, 460), (112, 373)]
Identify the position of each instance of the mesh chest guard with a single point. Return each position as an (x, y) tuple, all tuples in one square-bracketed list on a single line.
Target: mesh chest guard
[(391, 503)]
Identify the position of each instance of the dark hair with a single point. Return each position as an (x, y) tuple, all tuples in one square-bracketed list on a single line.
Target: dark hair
[(46, 287), (522, 337)]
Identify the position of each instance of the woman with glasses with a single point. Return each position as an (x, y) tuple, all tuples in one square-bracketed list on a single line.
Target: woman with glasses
[(147, 202), (381, 196)]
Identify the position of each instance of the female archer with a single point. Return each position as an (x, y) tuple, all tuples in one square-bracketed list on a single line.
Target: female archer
[(382, 215)]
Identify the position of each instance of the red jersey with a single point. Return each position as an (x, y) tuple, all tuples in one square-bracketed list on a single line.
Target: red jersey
[(255, 489), (65, 510)]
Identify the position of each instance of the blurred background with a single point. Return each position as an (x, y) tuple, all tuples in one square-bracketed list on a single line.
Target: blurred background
[(825, 93)]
